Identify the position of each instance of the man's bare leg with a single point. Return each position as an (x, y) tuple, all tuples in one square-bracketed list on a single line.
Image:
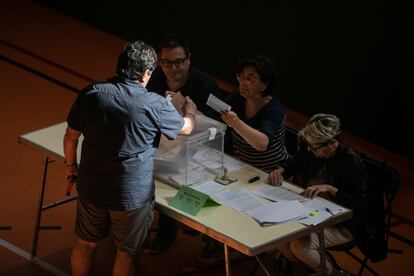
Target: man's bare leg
[(124, 264), (82, 257)]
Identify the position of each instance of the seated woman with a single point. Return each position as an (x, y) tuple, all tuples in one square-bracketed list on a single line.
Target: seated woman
[(256, 133), (256, 120), (326, 167)]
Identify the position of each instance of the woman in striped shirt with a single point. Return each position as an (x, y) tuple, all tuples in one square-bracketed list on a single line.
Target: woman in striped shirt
[(256, 121)]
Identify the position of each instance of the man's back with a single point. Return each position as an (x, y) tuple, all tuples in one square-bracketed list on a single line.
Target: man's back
[(121, 122)]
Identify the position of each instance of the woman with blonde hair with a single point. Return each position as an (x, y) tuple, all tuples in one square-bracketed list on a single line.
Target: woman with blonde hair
[(325, 166)]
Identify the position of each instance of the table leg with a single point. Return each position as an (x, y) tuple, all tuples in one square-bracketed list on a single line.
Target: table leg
[(39, 208), (322, 253), (262, 265), (227, 259)]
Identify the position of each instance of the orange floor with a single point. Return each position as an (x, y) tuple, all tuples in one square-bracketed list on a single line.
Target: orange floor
[(41, 49)]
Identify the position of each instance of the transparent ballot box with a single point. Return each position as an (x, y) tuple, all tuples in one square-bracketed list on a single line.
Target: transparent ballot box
[(192, 159)]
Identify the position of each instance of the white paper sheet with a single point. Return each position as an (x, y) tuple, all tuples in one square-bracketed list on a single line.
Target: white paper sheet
[(217, 104), (319, 208), (194, 176), (233, 164), (240, 199), (279, 212), (208, 157), (210, 187), (277, 193)]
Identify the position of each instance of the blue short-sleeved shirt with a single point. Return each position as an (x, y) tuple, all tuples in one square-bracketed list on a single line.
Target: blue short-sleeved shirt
[(122, 123)]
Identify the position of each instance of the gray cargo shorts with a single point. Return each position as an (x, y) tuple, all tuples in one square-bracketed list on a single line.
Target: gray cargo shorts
[(128, 229)]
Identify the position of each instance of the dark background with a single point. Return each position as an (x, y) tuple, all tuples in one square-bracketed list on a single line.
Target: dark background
[(353, 59)]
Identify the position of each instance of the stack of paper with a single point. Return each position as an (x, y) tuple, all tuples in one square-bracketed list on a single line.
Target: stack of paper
[(321, 210), (279, 212), (277, 193), (210, 187), (240, 199)]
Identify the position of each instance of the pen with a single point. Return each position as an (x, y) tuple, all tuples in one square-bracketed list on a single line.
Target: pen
[(254, 179), (329, 211)]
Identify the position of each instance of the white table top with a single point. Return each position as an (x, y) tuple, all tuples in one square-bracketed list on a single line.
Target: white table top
[(222, 223)]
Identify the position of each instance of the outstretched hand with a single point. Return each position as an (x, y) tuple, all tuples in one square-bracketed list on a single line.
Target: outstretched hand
[(189, 107), (177, 99), (314, 190)]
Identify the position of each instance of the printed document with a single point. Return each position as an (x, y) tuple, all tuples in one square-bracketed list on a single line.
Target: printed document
[(320, 210), (277, 193), (209, 158), (194, 176), (279, 212), (217, 104), (233, 164), (240, 199), (210, 187)]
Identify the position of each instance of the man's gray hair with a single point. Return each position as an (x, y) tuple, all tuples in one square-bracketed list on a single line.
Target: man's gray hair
[(322, 128)]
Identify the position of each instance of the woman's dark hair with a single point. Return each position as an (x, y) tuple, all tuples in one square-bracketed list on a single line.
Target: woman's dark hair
[(266, 69), (136, 58)]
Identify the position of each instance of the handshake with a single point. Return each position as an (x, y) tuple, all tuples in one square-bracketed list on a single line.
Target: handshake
[(184, 105)]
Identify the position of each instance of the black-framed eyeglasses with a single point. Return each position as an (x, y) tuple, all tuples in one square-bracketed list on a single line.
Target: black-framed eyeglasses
[(315, 148), (176, 62)]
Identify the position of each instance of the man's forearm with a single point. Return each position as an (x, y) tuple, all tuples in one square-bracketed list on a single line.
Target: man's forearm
[(70, 145)]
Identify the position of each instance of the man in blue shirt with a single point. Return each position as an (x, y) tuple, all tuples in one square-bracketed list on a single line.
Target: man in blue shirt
[(121, 123)]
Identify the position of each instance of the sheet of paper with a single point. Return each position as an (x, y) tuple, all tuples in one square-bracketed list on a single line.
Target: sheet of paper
[(240, 199), (279, 212), (277, 193), (233, 164), (210, 187), (209, 158), (324, 206), (319, 208), (314, 220), (194, 176), (217, 104)]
